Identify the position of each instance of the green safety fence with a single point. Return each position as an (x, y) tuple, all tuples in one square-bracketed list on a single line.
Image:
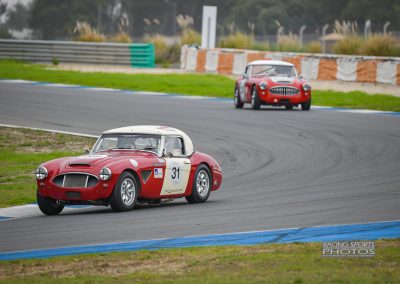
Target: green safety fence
[(142, 55)]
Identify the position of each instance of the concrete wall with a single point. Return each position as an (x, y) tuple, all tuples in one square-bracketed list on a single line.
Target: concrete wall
[(369, 69)]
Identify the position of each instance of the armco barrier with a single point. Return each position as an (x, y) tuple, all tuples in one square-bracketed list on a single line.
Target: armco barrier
[(311, 66), (136, 55)]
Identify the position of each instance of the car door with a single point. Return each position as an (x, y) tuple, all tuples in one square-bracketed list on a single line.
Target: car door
[(242, 87), (177, 169)]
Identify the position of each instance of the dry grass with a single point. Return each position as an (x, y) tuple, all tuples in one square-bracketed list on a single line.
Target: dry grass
[(288, 42), (84, 32), (237, 40), (32, 141), (160, 45), (350, 45), (121, 37), (190, 36), (314, 47), (381, 45)]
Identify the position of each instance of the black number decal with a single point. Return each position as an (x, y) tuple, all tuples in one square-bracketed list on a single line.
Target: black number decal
[(175, 172)]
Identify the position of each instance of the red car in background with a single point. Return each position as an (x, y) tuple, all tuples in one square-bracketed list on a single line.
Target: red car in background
[(129, 165), (271, 82)]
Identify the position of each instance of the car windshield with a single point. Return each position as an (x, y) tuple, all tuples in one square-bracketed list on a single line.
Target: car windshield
[(274, 70), (139, 142)]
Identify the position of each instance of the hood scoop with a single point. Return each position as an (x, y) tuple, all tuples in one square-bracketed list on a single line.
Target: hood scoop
[(282, 80), (86, 161)]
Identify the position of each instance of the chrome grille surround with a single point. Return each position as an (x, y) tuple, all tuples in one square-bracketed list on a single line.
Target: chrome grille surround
[(284, 91), (75, 180)]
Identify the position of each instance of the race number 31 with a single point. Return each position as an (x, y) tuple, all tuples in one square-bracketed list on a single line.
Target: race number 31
[(175, 173)]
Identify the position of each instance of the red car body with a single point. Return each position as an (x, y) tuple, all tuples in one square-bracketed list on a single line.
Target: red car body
[(152, 172), (270, 87)]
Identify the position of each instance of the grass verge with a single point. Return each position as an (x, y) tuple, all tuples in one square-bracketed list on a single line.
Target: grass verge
[(271, 263), (188, 84), (21, 151)]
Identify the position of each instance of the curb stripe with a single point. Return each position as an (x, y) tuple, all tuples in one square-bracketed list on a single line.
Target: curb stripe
[(366, 231)]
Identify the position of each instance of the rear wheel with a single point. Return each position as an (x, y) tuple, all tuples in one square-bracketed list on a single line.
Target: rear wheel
[(125, 193), (238, 102), (306, 105), (255, 99), (201, 185), (49, 206)]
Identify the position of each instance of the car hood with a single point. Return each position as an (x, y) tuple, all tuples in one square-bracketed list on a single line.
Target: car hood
[(87, 160), (283, 80)]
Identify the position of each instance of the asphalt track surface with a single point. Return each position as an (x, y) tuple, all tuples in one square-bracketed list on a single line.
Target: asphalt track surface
[(282, 169)]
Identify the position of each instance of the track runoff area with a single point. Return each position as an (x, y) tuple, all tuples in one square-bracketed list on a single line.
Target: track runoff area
[(206, 117)]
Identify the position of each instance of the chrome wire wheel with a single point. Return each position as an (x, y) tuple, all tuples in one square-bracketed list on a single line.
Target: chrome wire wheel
[(128, 191), (253, 96), (203, 183)]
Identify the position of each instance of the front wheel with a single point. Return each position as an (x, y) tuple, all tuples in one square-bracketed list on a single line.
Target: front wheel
[(201, 185), (255, 99), (48, 205), (306, 105), (125, 193), (238, 102)]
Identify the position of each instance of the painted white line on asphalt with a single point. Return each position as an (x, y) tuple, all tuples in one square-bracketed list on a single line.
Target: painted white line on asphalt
[(49, 130)]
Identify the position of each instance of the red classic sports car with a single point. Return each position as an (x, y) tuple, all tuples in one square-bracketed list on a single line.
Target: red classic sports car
[(270, 82), (127, 166)]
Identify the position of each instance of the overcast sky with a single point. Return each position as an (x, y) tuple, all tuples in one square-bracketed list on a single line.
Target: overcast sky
[(10, 4)]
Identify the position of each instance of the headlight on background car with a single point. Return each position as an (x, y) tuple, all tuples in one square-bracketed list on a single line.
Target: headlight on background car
[(263, 85), (41, 173), (105, 173), (306, 87)]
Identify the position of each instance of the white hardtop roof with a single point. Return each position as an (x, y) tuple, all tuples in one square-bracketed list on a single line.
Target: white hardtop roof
[(157, 130), (270, 62)]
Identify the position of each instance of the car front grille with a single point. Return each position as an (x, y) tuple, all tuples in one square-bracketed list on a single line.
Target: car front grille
[(75, 180), (284, 91)]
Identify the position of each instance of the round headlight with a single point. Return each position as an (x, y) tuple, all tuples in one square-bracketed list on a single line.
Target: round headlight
[(306, 87), (41, 173), (263, 85), (105, 173)]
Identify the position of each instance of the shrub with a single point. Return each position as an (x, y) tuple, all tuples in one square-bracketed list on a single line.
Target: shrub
[(313, 47), (288, 43), (349, 45), (237, 40), (381, 45), (160, 46), (122, 37), (261, 46), (55, 61), (190, 36), (85, 32)]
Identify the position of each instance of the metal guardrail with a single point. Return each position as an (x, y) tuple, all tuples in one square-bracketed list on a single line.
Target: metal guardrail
[(135, 54)]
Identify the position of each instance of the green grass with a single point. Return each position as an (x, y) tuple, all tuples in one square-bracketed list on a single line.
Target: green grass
[(189, 84), (273, 263), (21, 151)]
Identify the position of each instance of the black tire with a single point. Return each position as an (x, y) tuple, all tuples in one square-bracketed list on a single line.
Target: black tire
[(48, 205), (289, 107), (124, 197), (198, 194), (236, 99), (306, 105), (255, 99)]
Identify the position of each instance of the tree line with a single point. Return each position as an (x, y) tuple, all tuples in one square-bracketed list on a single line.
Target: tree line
[(56, 19)]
